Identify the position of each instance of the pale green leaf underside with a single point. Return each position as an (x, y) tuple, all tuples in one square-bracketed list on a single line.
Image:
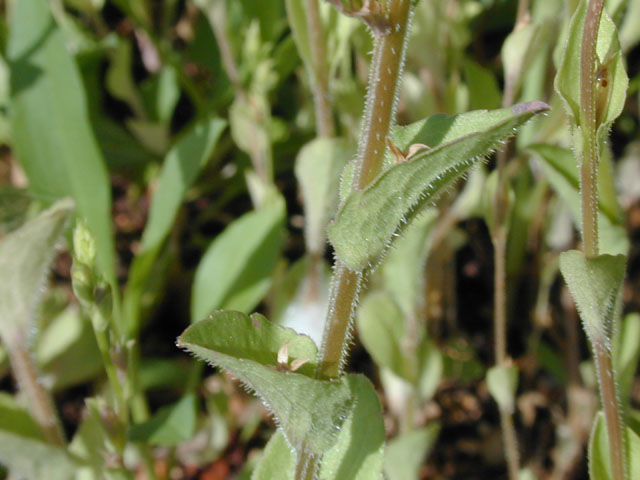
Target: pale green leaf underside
[(318, 168), (405, 454), (52, 134), (382, 332), (502, 382), (627, 354), (594, 284), (357, 453), (278, 460), (599, 457), (25, 255), (235, 271), (368, 220)]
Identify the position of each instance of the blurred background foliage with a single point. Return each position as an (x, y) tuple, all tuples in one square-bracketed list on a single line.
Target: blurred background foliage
[(181, 127)]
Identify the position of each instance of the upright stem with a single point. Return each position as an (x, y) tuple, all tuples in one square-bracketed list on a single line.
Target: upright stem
[(589, 204), (500, 237), (320, 73), (384, 82), (40, 401)]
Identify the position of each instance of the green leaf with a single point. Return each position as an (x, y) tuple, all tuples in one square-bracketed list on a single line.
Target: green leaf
[(358, 453), (25, 255), (277, 461), (50, 122), (381, 326), (610, 98), (181, 166), (403, 267), (627, 354), (502, 381), (318, 168), (310, 412), (367, 222), (23, 451), (595, 285), (405, 454), (599, 457), (484, 91), (67, 352), (560, 168), (170, 426), (517, 54), (235, 271), (237, 335)]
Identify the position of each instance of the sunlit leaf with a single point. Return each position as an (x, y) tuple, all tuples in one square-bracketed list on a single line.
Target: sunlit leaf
[(235, 271), (367, 222), (48, 103)]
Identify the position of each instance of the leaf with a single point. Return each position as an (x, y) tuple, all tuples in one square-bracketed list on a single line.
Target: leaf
[(610, 98), (48, 103), (381, 326), (318, 168), (277, 461), (357, 453), (405, 454), (235, 271), (367, 222), (484, 91), (502, 381), (599, 457), (170, 426), (403, 267), (627, 354), (25, 255), (517, 53), (23, 451), (560, 168), (595, 285), (310, 412), (67, 352), (359, 450), (181, 166)]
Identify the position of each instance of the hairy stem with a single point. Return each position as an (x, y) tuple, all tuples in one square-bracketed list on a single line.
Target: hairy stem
[(384, 81), (589, 204), (40, 402), (500, 237), (320, 72)]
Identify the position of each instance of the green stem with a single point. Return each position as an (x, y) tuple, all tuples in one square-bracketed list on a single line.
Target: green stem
[(384, 83), (320, 73), (589, 204)]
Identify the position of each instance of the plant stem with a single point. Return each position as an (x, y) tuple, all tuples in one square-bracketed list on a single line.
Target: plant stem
[(499, 237), (319, 72), (589, 204), (384, 82), (40, 401)]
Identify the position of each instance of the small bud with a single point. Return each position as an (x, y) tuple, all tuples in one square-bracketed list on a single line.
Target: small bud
[(82, 282), (84, 245)]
